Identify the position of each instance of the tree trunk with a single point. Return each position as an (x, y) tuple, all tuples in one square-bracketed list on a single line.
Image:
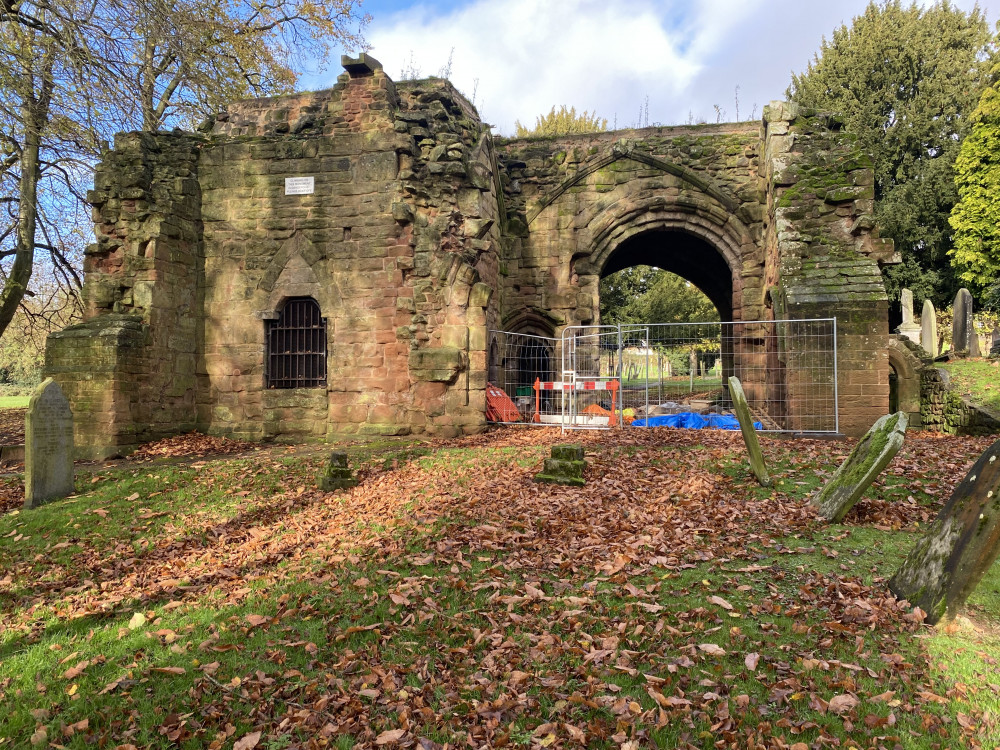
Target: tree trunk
[(35, 116), (27, 215)]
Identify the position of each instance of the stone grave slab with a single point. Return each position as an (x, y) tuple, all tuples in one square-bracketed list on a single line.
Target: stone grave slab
[(337, 475), (742, 409), (870, 456), (928, 328), (946, 565), (48, 446), (964, 340), (564, 467)]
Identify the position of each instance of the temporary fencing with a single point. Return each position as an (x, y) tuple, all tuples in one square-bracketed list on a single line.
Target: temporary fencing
[(603, 376)]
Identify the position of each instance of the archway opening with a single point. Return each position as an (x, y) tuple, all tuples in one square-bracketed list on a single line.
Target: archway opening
[(672, 293), (691, 258)]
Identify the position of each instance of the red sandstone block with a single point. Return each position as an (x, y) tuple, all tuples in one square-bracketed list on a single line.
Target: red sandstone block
[(879, 389)]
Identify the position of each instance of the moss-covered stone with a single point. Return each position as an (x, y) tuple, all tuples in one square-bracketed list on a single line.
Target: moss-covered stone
[(945, 566), (337, 475), (754, 453), (564, 467), (870, 456)]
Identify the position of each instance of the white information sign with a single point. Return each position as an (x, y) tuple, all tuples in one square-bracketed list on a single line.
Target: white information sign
[(300, 185)]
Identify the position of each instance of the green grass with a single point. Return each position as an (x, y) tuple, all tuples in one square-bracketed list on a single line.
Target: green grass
[(977, 379), (14, 402), (165, 603)]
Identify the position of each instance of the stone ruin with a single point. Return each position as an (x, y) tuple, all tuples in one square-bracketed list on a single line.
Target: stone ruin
[(333, 262)]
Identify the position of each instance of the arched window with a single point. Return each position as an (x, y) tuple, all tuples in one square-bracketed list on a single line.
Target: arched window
[(296, 346)]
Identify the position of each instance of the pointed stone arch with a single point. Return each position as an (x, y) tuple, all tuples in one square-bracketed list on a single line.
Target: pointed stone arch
[(688, 207), (624, 149), (294, 271)]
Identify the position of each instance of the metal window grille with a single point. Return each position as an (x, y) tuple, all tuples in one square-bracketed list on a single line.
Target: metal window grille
[(296, 346), (788, 370)]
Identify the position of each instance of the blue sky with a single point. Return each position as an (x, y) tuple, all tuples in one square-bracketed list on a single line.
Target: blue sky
[(518, 58)]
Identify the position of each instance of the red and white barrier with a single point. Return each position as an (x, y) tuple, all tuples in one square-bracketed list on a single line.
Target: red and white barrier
[(579, 385)]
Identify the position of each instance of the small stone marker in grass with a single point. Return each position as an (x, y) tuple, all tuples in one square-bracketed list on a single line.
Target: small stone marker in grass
[(337, 475), (872, 454), (565, 466), (48, 446), (742, 409), (946, 565)]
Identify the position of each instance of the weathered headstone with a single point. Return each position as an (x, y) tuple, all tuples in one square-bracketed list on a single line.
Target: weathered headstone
[(964, 340), (742, 409), (48, 446), (928, 329), (564, 467), (337, 475), (946, 565), (872, 454), (908, 327)]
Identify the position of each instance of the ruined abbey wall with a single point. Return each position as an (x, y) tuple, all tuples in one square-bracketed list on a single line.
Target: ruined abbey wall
[(420, 235)]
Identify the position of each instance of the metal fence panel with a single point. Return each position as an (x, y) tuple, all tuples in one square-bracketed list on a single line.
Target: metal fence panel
[(516, 362), (788, 369), (604, 376)]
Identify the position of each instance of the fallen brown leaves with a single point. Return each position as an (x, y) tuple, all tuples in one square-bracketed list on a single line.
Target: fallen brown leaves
[(11, 494), (191, 444), (12, 426), (557, 595)]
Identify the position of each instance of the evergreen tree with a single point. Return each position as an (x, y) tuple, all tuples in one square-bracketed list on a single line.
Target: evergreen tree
[(905, 79), (976, 216), (562, 122)]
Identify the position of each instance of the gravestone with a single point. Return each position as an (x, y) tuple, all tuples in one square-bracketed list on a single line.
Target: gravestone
[(945, 566), (742, 409), (48, 446), (337, 475), (564, 467), (928, 329), (870, 456), (964, 341), (908, 327)]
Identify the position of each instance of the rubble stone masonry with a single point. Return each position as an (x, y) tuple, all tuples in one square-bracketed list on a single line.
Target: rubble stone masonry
[(420, 235)]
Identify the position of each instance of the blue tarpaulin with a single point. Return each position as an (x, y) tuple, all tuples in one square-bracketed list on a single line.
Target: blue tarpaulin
[(693, 421)]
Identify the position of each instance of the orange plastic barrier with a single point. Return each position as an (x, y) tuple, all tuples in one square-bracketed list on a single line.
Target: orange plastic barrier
[(499, 407)]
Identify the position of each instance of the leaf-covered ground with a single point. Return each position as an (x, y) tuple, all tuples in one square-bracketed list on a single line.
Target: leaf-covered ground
[(12, 425), (449, 601)]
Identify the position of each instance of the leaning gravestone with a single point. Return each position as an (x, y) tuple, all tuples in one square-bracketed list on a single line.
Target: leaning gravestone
[(48, 446), (964, 340), (945, 566), (337, 475), (742, 409), (564, 467), (928, 328), (872, 454)]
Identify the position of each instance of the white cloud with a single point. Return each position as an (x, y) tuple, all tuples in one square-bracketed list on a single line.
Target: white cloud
[(521, 57)]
